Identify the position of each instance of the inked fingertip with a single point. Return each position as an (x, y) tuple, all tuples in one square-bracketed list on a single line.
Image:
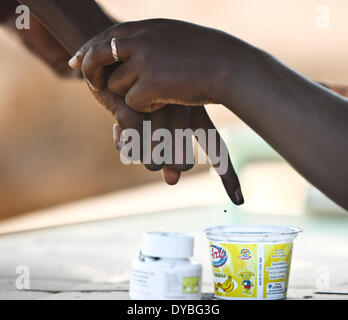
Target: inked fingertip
[(238, 196), (233, 191), (170, 176)]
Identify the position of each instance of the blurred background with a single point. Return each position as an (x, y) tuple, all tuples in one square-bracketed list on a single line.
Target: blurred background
[(58, 166), (56, 141)]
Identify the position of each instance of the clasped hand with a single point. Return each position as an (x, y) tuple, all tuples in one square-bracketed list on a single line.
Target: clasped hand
[(160, 79)]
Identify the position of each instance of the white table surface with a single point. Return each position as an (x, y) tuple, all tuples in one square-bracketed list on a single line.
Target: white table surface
[(91, 260)]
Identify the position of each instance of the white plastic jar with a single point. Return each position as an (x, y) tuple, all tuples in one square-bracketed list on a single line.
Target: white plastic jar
[(163, 270)]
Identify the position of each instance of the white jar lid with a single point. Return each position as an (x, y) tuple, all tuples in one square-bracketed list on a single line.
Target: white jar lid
[(167, 245)]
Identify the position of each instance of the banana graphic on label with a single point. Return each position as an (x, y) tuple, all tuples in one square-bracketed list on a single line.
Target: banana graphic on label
[(227, 286)]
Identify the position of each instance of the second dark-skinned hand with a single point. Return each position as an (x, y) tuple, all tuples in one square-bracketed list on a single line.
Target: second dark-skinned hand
[(170, 117)]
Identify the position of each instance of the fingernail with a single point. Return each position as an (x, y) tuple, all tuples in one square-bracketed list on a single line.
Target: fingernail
[(170, 175), (238, 196), (73, 63)]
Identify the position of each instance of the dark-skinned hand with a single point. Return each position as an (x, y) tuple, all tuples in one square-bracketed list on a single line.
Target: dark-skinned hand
[(160, 63), (170, 116)]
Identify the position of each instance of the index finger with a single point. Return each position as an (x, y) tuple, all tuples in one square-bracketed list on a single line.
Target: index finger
[(229, 179), (115, 31), (104, 54)]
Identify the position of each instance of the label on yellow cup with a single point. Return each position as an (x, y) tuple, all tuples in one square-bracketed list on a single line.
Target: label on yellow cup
[(276, 269), (250, 270)]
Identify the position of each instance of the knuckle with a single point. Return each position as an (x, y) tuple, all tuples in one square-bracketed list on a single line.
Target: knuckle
[(132, 101), (113, 84)]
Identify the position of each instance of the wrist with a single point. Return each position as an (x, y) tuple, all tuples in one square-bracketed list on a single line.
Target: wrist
[(236, 72)]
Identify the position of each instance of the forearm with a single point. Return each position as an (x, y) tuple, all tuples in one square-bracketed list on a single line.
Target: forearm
[(304, 122), (71, 22)]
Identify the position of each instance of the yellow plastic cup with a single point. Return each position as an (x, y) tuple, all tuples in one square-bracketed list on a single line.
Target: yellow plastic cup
[(251, 261)]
